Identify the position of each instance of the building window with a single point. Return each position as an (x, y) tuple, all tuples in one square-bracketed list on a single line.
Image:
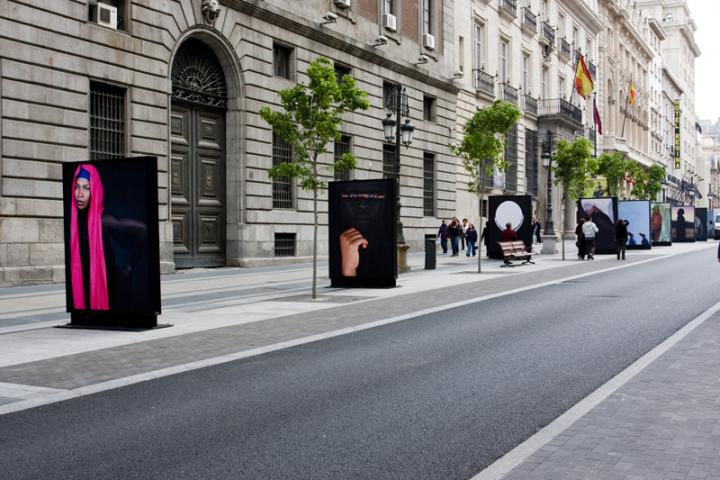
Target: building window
[(389, 96), (561, 25), (341, 71), (109, 13), (389, 7), (428, 185), (504, 67), (531, 162), (282, 186), (544, 85), (561, 87), (511, 156), (107, 121), (478, 37), (282, 61), (285, 244), (429, 108), (389, 161), (342, 146), (428, 23), (526, 82)]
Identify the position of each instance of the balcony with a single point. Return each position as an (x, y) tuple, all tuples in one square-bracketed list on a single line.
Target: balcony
[(565, 50), (508, 8), (531, 105), (484, 82), (590, 134), (548, 34), (528, 22), (557, 110), (509, 93)]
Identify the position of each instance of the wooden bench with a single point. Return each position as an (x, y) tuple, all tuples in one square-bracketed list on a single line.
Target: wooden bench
[(514, 250)]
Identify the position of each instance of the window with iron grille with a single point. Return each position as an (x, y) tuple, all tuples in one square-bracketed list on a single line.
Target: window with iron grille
[(429, 111), (531, 162), (282, 61), (342, 146), (107, 121), (428, 20), (282, 187), (284, 244), (511, 173), (428, 185), (389, 161)]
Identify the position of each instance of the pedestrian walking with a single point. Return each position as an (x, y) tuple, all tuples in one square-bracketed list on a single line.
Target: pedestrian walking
[(536, 231), (443, 236), (454, 231), (462, 231), (485, 237), (621, 237), (580, 240), (471, 238), (589, 230)]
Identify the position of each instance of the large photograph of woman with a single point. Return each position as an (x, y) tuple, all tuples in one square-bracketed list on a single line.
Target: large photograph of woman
[(111, 237)]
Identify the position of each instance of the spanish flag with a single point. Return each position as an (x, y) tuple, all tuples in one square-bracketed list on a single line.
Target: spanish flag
[(583, 81), (631, 93)]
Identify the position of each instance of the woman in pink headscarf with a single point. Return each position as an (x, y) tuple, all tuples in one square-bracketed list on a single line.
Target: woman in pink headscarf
[(87, 249)]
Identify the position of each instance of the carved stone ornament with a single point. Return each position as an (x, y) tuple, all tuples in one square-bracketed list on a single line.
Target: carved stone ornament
[(210, 11)]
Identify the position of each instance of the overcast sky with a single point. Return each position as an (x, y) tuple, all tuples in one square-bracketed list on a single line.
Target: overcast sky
[(706, 14)]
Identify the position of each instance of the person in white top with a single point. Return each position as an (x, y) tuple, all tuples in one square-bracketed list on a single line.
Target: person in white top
[(589, 230)]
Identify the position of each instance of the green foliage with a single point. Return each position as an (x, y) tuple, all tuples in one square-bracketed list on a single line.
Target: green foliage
[(573, 166), (309, 120), (613, 167), (482, 148), (653, 186)]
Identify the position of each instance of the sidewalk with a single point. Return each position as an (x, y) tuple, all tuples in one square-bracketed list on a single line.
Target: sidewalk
[(668, 413)]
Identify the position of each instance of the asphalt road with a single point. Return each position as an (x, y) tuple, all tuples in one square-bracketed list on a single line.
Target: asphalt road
[(435, 397)]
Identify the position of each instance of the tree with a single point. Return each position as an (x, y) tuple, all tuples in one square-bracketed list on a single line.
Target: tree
[(648, 183), (482, 148), (573, 166), (308, 122), (613, 167)]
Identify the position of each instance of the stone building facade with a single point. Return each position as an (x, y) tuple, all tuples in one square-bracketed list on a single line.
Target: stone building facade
[(184, 80)]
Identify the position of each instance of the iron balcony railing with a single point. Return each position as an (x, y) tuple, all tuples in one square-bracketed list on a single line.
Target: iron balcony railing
[(565, 48), (548, 32), (484, 81), (529, 20), (509, 93), (508, 7), (531, 105), (558, 106)]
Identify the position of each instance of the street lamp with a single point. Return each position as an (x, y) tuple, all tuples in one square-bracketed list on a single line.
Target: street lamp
[(398, 105), (547, 164)]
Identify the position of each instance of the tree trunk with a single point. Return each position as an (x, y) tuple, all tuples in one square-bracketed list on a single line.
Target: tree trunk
[(562, 225), (481, 189), (315, 231)]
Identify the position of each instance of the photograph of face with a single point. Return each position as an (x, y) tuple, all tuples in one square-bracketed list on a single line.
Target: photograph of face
[(637, 213), (603, 212), (111, 238), (682, 221), (701, 232), (660, 223), (362, 233)]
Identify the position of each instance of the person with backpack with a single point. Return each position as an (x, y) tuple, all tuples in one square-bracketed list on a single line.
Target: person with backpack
[(589, 230)]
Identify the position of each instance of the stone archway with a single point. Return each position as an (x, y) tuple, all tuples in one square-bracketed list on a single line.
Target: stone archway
[(198, 157)]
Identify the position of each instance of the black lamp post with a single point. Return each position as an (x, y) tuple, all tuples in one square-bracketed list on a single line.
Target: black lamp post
[(547, 164), (398, 105)]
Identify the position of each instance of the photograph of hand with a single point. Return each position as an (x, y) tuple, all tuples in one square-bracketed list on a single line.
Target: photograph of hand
[(351, 241)]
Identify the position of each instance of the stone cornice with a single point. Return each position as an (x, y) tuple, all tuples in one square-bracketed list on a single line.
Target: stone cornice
[(311, 30), (669, 73), (657, 28), (580, 10)]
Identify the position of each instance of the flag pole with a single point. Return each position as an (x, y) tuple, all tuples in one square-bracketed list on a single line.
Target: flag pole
[(627, 99), (595, 124)]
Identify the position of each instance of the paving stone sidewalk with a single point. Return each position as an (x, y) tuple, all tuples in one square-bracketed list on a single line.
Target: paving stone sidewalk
[(664, 424)]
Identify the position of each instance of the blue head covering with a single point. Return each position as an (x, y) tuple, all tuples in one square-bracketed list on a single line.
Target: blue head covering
[(83, 174)]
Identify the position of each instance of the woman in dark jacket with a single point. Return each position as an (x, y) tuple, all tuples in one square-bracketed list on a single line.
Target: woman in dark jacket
[(580, 242), (471, 238), (454, 230), (443, 235), (621, 237)]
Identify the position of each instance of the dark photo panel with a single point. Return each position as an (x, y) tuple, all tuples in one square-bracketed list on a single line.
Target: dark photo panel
[(637, 213), (112, 264), (513, 209), (604, 213), (362, 233), (682, 220), (660, 224), (701, 220)]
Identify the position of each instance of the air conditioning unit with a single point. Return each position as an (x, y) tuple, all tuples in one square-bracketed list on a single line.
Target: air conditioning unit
[(390, 22), (429, 41), (343, 3), (106, 15)]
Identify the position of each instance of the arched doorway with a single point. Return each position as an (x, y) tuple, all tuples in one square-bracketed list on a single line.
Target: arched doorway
[(197, 131)]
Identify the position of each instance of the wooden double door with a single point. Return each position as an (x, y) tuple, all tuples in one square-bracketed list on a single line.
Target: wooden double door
[(198, 185)]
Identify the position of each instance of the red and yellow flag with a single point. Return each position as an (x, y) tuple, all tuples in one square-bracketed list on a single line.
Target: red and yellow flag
[(583, 81), (631, 93)]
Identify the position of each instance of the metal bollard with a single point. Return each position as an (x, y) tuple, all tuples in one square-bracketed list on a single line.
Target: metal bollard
[(430, 253)]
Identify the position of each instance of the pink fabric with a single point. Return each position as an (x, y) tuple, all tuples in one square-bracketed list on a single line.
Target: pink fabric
[(98, 274)]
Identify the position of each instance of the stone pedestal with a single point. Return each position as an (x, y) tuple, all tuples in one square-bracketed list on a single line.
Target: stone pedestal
[(549, 244), (402, 249)]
